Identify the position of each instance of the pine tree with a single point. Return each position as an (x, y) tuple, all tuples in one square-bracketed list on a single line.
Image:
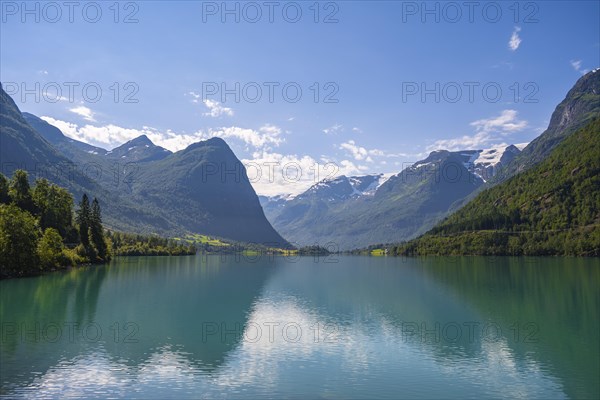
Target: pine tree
[(54, 206), (4, 198), (83, 220), (20, 192), (96, 231), (39, 194)]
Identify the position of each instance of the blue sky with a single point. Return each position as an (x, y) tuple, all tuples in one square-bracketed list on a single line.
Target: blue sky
[(374, 58)]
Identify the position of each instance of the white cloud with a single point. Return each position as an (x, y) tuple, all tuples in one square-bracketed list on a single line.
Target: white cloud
[(357, 130), (195, 96), (576, 64), (274, 173), (506, 122), (111, 136), (474, 142), (54, 97), (68, 128), (216, 109), (515, 40), (487, 131), (333, 129), (270, 173), (360, 153), (85, 112), (265, 136)]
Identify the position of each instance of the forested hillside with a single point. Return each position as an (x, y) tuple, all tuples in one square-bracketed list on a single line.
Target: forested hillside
[(551, 209), (38, 232)]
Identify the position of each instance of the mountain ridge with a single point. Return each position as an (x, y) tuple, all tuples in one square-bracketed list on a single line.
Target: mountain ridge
[(551, 209), (132, 199), (388, 206), (580, 105)]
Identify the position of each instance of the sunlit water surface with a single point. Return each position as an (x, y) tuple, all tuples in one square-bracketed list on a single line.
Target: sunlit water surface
[(335, 327)]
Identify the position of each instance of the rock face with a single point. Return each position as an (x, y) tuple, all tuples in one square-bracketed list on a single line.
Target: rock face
[(142, 187), (580, 106)]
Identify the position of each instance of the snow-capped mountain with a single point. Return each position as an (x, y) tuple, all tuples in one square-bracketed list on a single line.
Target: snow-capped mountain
[(343, 187), (274, 204), (336, 189), (381, 208), (489, 161), (483, 164)]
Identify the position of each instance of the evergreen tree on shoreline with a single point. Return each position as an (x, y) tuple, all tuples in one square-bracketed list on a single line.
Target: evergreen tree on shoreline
[(96, 230), (83, 220), (20, 191)]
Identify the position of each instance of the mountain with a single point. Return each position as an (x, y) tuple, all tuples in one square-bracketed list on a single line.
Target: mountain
[(337, 189), (344, 188), (22, 147), (140, 149), (65, 145), (551, 209), (150, 190), (411, 202), (580, 106), (272, 205), (490, 161), (206, 190), (348, 212)]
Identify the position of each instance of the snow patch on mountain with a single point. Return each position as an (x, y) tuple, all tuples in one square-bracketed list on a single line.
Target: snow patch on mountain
[(521, 146), (490, 156), (381, 179)]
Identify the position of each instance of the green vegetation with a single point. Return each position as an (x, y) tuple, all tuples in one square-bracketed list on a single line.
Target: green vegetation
[(205, 244), (313, 251), (127, 244), (551, 209), (378, 252), (36, 226), (214, 245), (38, 232), (580, 107)]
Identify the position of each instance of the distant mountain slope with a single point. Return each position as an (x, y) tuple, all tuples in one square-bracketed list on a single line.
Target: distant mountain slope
[(66, 146), (580, 106), (354, 211), (140, 149), (337, 212), (191, 191), (22, 147), (551, 209)]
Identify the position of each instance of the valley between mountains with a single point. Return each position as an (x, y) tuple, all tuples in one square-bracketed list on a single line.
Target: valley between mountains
[(204, 189)]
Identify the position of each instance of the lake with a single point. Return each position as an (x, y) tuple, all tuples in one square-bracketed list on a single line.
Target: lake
[(328, 327)]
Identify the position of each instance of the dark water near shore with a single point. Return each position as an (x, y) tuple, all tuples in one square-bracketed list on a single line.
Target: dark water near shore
[(337, 327)]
